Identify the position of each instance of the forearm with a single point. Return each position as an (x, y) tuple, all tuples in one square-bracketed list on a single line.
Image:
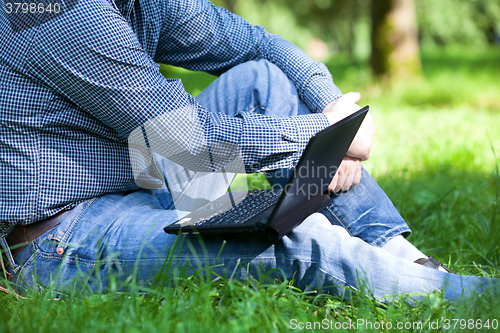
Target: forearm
[(312, 80), (200, 36)]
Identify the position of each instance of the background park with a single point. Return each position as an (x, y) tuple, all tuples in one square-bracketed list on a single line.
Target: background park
[(430, 72)]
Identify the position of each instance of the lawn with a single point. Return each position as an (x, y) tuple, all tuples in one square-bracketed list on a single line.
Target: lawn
[(436, 154)]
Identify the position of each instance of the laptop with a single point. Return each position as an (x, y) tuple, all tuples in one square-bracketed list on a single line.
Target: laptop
[(278, 211)]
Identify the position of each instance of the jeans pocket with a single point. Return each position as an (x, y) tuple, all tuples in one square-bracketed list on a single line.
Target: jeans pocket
[(56, 240), (163, 197), (38, 260)]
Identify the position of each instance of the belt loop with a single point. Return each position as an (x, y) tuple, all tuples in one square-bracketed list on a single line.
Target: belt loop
[(8, 254)]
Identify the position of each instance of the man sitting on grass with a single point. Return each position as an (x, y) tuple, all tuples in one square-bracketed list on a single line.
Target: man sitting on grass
[(75, 85)]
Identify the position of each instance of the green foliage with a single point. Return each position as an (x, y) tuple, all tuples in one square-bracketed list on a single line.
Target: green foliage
[(451, 77), (276, 18), (336, 22), (345, 25), (447, 22), (332, 20)]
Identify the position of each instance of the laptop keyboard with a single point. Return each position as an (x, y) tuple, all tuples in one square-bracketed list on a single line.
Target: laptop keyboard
[(255, 203)]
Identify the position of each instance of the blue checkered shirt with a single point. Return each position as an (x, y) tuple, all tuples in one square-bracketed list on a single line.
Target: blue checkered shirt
[(74, 86)]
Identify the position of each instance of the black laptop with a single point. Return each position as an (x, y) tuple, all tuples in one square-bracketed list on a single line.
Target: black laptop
[(277, 211)]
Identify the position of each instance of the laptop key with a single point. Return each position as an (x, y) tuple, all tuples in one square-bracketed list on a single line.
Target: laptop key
[(252, 205)]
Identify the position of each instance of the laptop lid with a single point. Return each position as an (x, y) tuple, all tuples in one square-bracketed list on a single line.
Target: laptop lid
[(306, 188)]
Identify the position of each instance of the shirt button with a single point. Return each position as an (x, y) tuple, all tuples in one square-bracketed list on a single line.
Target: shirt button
[(60, 250)]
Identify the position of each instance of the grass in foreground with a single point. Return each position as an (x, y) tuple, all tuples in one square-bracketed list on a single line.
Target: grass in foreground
[(196, 305), (433, 155)]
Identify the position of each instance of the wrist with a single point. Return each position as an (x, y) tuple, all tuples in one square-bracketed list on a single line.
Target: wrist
[(329, 107), (334, 116)]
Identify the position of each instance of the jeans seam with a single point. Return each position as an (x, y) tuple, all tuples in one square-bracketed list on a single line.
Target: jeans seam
[(338, 279), (340, 221), (255, 108), (25, 266), (151, 192), (88, 262), (382, 239), (67, 258), (72, 226)]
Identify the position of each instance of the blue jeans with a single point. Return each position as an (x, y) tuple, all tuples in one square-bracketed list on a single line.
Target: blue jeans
[(122, 233)]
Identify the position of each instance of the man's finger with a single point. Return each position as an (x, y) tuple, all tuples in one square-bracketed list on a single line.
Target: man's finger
[(357, 177), (351, 97), (349, 177), (333, 183), (341, 180)]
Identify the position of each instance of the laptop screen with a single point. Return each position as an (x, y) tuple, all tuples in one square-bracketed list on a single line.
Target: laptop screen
[(317, 166)]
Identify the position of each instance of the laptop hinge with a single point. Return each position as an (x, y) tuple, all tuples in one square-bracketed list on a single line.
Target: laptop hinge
[(283, 226)]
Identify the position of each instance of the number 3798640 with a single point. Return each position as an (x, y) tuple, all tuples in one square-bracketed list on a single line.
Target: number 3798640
[(32, 8)]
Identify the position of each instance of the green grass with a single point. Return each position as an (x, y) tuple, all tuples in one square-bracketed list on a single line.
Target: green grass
[(434, 155)]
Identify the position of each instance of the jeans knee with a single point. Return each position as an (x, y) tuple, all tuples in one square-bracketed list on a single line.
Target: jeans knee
[(257, 66), (318, 229), (262, 71)]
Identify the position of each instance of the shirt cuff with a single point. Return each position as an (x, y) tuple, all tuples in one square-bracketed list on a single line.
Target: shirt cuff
[(320, 92), (306, 127)]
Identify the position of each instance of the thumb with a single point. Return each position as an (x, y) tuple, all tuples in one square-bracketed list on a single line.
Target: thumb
[(351, 97), (333, 183)]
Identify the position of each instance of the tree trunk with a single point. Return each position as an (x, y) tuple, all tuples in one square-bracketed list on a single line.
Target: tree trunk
[(351, 24), (394, 39), (230, 5)]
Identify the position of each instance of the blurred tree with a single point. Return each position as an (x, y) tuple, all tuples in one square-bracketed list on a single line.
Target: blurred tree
[(394, 39)]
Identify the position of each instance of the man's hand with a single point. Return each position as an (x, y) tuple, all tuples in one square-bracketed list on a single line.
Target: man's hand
[(342, 107), (345, 106), (362, 143), (348, 174)]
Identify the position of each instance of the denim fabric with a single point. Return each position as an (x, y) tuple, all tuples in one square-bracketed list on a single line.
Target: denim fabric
[(364, 211), (122, 232)]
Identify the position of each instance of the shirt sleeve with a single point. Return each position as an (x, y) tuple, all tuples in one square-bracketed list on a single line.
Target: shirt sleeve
[(200, 36), (92, 57)]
